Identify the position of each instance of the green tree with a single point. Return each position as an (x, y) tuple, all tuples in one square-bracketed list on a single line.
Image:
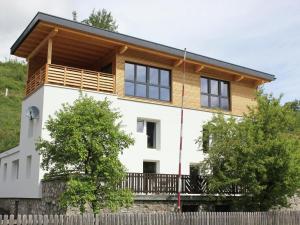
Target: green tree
[(295, 106), (102, 19), (259, 153), (86, 140)]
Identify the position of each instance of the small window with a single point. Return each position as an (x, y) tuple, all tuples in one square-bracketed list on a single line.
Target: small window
[(4, 171), (214, 93), (151, 134), (15, 170), (149, 167), (28, 166), (140, 126)]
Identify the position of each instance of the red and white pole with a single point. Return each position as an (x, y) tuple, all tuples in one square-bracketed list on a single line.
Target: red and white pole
[(181, 138)]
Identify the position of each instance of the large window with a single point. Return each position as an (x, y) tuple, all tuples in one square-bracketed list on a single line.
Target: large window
[(147, 82), (215, 93)]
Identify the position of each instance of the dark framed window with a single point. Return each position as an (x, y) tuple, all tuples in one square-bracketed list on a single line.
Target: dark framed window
[(147, 82), (151, 134), (149, 167), (215, 93)]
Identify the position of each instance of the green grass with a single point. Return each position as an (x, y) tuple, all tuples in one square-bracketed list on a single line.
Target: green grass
[(12, 76)]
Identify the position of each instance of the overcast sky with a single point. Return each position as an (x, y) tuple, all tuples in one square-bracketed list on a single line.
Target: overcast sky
[(263, 35)]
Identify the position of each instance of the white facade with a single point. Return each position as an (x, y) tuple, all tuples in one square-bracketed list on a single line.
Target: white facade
[(21, 179)]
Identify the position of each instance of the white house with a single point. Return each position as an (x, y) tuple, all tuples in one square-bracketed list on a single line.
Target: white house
[(143, 80)]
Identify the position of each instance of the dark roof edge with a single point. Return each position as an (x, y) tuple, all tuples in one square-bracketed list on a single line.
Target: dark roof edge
[(136, 41)]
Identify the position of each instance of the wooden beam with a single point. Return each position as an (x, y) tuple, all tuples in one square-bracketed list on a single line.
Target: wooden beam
[(42, 43), (151, 51), (258, 83), (123, 49), (49, 52), (239, 78), (178, 62), (198, 68)]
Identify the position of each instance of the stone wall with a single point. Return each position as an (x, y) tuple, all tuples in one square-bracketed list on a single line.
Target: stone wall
[(51, 191), (48, 204)]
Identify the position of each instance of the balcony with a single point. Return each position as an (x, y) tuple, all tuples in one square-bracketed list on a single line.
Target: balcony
[(71, 77), (167, 184), (148, 183)]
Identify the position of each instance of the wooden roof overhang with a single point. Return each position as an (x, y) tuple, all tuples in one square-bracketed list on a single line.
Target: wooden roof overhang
[(77, 44)]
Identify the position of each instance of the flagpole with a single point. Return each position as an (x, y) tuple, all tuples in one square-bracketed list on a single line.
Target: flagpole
[(181, 137)]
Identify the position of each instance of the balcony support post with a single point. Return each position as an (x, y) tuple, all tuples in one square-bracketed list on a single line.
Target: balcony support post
[(42, 43), (49, 52)]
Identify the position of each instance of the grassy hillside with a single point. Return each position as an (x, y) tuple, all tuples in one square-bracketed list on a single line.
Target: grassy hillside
[(12, 76)]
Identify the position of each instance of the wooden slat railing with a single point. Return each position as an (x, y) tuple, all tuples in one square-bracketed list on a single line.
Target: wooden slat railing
[(36, 79), (71, 77), (168, 183), (151, 183)]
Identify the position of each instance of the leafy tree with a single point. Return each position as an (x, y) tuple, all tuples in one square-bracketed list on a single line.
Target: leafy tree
[(259, 153), (86, 140), (295, 106), (102, 19)]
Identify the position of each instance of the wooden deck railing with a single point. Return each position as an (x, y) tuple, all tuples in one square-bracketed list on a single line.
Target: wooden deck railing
[(151, 183), (36, 80), (168, 184), (71, 77)]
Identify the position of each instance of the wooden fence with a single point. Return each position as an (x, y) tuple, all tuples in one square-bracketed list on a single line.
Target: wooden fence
[(201, 218)]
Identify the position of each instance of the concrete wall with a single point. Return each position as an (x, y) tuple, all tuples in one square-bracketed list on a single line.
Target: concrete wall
[(27, 183), (50, 98)]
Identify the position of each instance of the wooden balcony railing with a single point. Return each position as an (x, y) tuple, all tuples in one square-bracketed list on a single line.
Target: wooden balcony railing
[(149, 183), (71, 77), (36, 80), (168, 184)]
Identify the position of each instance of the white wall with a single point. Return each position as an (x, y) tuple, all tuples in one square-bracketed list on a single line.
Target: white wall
[(50, 98), (27, 187)]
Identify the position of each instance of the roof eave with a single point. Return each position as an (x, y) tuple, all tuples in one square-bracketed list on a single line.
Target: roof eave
[(136, 41)]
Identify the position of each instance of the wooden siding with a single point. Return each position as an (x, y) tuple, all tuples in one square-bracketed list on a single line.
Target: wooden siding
[(76, 49), (242, 93)]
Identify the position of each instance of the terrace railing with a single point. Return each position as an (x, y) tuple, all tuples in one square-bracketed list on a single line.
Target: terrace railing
[(71, 77), (149, 183)]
